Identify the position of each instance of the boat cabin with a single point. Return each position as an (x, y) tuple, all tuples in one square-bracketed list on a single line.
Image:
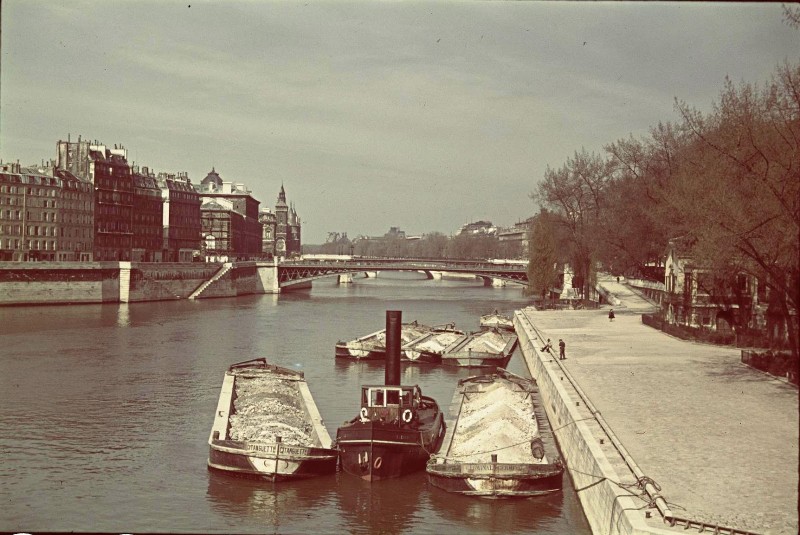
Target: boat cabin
[(390, 402)]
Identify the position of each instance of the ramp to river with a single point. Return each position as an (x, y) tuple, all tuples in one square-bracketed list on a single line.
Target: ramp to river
[(720, 438)]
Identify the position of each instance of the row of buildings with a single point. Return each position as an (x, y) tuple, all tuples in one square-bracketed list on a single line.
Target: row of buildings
[(517, 234), (90, 204)]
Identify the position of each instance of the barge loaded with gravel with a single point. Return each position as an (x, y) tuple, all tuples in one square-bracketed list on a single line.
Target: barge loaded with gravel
[(429, 348), (373, 346), (488, 348), (420, 344), (493, 447), (497, 320), (268, 426)]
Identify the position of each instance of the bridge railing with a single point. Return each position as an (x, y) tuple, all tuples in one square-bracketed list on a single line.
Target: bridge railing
[(411, 263)]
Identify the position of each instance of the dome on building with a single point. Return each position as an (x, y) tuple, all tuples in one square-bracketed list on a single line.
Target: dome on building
[(212, 181)]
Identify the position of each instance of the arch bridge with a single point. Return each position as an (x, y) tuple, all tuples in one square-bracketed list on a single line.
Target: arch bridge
[(291, 272)]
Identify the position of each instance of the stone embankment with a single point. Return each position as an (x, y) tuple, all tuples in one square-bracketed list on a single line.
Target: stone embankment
[(127, 282), (716, 440)]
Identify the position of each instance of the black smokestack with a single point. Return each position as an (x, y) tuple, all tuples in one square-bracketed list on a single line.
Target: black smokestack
[(394, 325)]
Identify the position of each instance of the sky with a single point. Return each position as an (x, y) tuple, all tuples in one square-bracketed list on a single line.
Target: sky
[(418, 115)]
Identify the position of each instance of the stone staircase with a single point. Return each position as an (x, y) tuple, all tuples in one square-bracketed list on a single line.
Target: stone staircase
[(226, 267)]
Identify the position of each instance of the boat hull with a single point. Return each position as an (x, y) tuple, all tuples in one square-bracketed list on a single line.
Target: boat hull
[(287, 463), (476, 361), (354, 353), (412, 356), (375, 462), (373, 451), (499, 481)]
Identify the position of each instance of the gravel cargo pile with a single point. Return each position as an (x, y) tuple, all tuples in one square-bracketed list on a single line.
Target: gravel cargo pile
[(490, 342), (497, 420), (437, 344), (407, 334), (266, 407)]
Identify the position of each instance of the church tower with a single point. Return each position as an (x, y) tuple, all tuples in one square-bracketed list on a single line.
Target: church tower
[(282, 223)]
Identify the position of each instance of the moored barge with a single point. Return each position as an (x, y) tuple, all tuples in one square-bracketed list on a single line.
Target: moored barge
[(496, 320), (373, 346), (488, 348), (493, 447), (428, 348), (268, 426), (397, 428)]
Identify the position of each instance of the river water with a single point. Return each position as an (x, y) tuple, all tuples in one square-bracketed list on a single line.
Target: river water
[(105, 412)]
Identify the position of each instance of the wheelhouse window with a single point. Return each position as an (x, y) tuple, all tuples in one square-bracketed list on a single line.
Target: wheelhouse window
[(377, 397), (383, 397)]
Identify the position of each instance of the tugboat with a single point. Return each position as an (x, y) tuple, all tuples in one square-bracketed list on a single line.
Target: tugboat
[(397, 429)]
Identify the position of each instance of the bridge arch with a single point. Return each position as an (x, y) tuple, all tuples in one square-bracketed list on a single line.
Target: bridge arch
[(295, 272)]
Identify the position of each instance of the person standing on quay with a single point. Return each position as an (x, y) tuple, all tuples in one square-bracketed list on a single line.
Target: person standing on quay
[(611, 315), (562, 350)]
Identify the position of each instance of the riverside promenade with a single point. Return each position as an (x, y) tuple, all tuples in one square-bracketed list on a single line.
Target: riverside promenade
[(720, 438)]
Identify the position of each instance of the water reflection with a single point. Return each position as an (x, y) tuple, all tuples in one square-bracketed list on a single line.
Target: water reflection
[(123, 315), (273, 504), (385, 507), (504, 515)]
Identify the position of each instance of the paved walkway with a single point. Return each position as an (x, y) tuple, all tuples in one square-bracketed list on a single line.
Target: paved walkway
[(719, 437)]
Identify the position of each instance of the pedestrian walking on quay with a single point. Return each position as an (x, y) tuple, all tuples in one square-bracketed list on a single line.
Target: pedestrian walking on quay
[(562, 350), (611, 315)]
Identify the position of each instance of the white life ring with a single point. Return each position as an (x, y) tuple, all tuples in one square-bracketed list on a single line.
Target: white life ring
[(407, 415), (364, 413)]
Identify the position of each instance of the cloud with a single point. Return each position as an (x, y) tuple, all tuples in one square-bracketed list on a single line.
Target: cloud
[(372, 114)]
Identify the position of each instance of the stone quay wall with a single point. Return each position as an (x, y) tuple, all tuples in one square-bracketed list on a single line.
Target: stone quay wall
[(59, 282), (47, 283), (602, 480), (162, 282), (244, 278)]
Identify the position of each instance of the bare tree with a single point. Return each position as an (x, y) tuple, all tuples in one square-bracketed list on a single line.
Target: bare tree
[(577, 191), (791, 15), (739, 191), (636, 228)]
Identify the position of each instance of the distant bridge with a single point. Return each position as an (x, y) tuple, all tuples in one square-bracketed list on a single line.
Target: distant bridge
[(291, 272)]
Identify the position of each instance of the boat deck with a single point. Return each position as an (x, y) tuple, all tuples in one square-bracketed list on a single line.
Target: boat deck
[(492, 418)]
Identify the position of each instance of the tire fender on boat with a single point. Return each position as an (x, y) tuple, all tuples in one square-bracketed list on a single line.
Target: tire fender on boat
[(407, 415), (364, 413)]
